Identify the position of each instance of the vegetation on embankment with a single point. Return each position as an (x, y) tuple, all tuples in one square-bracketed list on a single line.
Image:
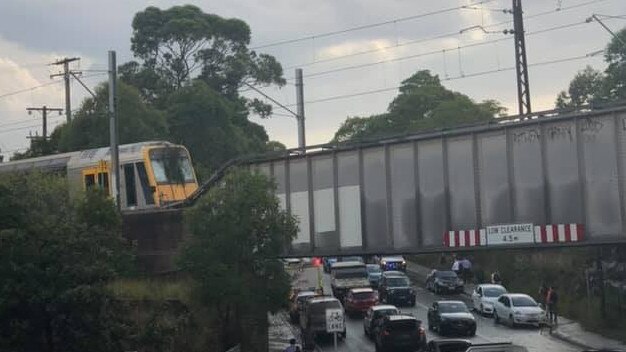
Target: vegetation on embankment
[(525, 270)]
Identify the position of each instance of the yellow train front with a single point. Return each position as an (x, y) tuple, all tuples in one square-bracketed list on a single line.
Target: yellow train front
[(152, 174)]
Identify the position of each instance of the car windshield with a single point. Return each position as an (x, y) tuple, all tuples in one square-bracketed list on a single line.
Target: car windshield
[(350, 273), (373, 269), (319, 308), (363, 295), (403, 325), (389, 311), (303, 298), (523, 301), (446, 274), (452, 308), (493, 291), (397, 282)]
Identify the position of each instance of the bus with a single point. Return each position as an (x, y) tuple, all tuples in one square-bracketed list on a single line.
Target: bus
[(152, 174)]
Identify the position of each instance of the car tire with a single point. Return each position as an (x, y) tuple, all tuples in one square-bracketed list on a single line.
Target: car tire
[(472, 333), (511, 321), (365, 332), (440, 331), (412, 303), (496, 318), (482, 310), (437, 290), (430, 327)]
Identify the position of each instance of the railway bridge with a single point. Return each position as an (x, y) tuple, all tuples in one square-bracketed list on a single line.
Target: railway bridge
[(547, 179)]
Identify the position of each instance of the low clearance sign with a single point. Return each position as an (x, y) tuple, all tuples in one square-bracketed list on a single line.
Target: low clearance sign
[(510, 234)]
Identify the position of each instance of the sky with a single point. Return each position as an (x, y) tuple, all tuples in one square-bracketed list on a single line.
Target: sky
[(416, 36)]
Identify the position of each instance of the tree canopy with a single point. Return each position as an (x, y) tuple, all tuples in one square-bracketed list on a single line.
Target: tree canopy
[(238, 231), (591, 86), (182, 42), (423, 103), (56, 256)]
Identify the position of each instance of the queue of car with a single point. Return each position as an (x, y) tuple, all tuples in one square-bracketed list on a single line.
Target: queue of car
[(375, 291)]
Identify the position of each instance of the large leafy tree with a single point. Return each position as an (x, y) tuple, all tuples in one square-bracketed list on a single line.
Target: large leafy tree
[(181, 43), (423, 103), (208, 125), (591, 86), (90, 126), (56, 255), (237, 233)]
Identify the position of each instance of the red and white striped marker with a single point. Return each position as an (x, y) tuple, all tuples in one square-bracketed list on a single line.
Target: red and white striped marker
[(555, 233), (465, 238), (560, 233)]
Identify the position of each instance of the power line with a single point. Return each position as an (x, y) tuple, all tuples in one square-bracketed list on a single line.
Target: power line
[(25, 127), (440, 36), (470, 75), (29, 89), (434, 52), (368, 26)]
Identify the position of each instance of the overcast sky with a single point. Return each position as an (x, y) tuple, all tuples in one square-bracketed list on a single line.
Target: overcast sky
[(34, 33)]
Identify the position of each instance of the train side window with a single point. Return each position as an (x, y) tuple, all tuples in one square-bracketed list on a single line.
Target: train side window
[(131, 187), (90, 181), (103, 181), (145, 184)]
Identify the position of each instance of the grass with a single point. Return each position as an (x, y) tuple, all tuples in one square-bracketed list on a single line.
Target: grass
[(151, 289)]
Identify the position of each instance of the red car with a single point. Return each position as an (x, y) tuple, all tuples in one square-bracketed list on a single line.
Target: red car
[(359, 300)]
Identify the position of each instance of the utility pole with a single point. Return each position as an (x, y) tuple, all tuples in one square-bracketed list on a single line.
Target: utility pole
[(597, 19), (300, 115), (66, 75), (44, 114), (115, 167), (521, 64)]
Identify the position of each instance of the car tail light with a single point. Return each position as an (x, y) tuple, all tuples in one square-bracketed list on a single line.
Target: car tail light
[(421, 331), (385, 332)]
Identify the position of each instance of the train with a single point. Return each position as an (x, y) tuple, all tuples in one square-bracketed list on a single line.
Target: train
[(153, 174)]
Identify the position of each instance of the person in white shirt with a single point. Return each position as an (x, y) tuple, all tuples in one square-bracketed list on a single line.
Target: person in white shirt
[(456, 266)]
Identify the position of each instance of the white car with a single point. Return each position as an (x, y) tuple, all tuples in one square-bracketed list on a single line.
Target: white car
[(485, 296), (517, 308)]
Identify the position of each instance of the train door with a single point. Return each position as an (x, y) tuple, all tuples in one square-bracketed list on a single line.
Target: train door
[(136, 189), (97, 176)]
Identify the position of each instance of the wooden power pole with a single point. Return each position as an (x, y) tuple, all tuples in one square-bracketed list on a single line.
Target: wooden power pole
[(66, 76)]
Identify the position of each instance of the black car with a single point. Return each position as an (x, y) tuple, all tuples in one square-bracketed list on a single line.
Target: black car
[(396, 289), (400, 332), (447, 317), (444, 281), (448, 345)]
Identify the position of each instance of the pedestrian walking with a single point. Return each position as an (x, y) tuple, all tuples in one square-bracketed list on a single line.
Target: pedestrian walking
[(552, 301), (456, 266), (292, 346), (543, 294), (496, 279), (466, 268)]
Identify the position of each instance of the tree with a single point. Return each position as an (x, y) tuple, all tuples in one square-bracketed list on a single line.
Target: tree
[(586, 88), (182, 42), (591, 86), (57, 255), (205, 122), (237, 232), (423, 103), (90, 127), (615, 57)]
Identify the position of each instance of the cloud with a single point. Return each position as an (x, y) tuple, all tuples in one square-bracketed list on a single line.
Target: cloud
[(22, 70), (385, 48)]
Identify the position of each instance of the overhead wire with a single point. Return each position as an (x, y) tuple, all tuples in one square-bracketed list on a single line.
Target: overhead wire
[(368, 26), (468, 75), (440, 36), (438, 51)]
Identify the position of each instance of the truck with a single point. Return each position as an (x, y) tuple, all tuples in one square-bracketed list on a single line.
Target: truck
[(313, 319), (347, 275)]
